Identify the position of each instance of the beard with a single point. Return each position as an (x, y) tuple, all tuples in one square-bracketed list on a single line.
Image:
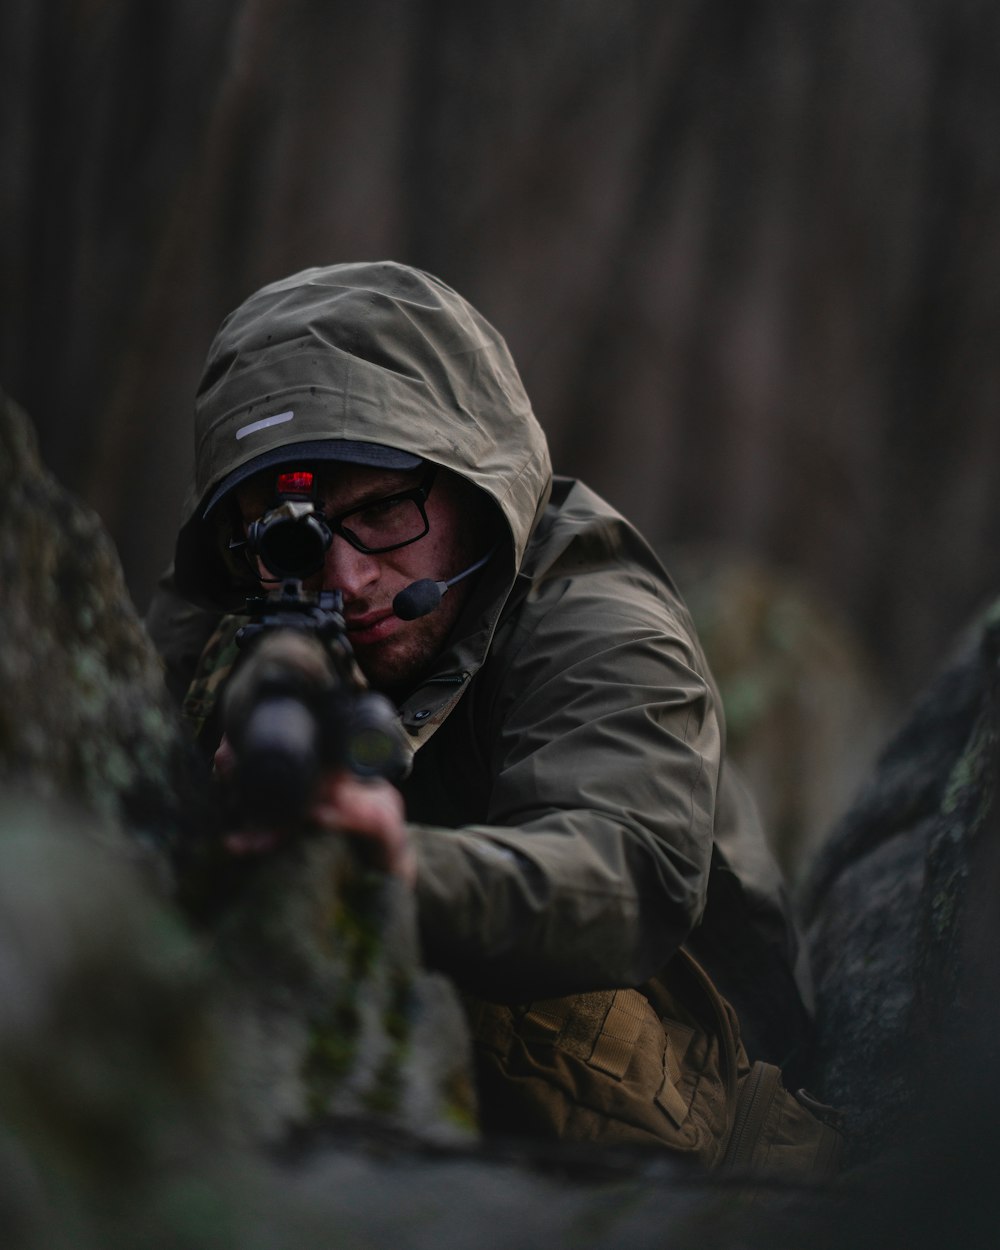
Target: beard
[(395, 666)]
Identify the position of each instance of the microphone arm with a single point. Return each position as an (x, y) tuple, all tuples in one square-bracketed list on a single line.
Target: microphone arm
[(424, 596)]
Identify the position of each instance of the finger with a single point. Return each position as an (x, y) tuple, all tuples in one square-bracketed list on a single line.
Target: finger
[(374, 811), (224, 760)]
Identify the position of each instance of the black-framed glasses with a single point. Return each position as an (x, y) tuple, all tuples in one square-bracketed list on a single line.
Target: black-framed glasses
[(292, 538), (388, 522)]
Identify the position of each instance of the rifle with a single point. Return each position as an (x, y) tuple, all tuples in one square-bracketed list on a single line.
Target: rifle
[(298, 705)]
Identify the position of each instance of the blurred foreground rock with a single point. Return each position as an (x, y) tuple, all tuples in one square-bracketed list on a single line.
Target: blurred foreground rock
[(84, 717), (316, 983), (112, 1130), (119, 1128)]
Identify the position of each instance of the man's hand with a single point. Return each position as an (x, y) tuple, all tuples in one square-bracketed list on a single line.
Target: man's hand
[(371, 809)]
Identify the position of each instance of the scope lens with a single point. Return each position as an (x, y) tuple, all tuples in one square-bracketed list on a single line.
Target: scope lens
[(293, 547)]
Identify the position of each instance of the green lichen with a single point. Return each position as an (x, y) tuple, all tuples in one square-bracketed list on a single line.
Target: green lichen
[(331, 1053), (458, 1105), (945, 908), (385, 1095), (354, 926), (398, 1009), (967, 782)]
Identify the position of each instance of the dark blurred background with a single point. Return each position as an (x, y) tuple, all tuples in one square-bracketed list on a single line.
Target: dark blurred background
[(746, 256)]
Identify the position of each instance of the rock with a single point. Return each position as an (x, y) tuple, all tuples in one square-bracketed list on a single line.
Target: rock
[(112, 1127), (887, 902), (85, 717), (318, 977), (329, 1011)]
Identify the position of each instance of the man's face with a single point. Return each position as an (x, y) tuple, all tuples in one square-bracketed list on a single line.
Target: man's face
[(392, 653)]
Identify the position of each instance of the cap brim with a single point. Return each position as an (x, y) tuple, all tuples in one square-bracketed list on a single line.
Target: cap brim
[(375, 454)]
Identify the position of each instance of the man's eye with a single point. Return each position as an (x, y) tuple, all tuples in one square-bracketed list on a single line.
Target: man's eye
[(376, 513)]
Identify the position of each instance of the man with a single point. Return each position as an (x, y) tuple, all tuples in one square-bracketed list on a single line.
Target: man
[(569, 820)]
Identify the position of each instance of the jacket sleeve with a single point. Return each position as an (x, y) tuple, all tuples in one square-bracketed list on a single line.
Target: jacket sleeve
[(603, 748)]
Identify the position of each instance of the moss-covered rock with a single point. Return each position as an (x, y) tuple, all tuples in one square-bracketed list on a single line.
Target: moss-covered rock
[(85, 717), (328, 1010), (330, 1013)]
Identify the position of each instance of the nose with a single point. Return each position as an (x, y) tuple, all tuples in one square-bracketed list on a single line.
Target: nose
[(348, 569)]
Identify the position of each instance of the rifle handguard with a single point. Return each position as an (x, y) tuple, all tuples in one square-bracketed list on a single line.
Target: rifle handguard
[(297, 705)]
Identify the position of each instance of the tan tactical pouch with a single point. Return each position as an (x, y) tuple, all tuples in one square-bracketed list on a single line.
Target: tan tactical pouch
[(661, 1067)]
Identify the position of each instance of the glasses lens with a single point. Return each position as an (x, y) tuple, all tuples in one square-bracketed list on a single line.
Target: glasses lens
[(386, 523)]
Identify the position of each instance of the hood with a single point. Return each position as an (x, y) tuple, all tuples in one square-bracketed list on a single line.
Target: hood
[(371, 353)]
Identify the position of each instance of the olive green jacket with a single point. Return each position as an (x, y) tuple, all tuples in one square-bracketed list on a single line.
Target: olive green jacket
[(573, 817)]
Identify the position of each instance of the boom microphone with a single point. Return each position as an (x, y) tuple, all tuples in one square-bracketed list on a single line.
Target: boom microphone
[(424, 596)]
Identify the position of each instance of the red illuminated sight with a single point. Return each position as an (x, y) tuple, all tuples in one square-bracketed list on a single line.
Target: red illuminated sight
[(300, 482)]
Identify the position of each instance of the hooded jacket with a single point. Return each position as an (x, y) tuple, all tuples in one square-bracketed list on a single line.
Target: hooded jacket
[(573, 817)]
